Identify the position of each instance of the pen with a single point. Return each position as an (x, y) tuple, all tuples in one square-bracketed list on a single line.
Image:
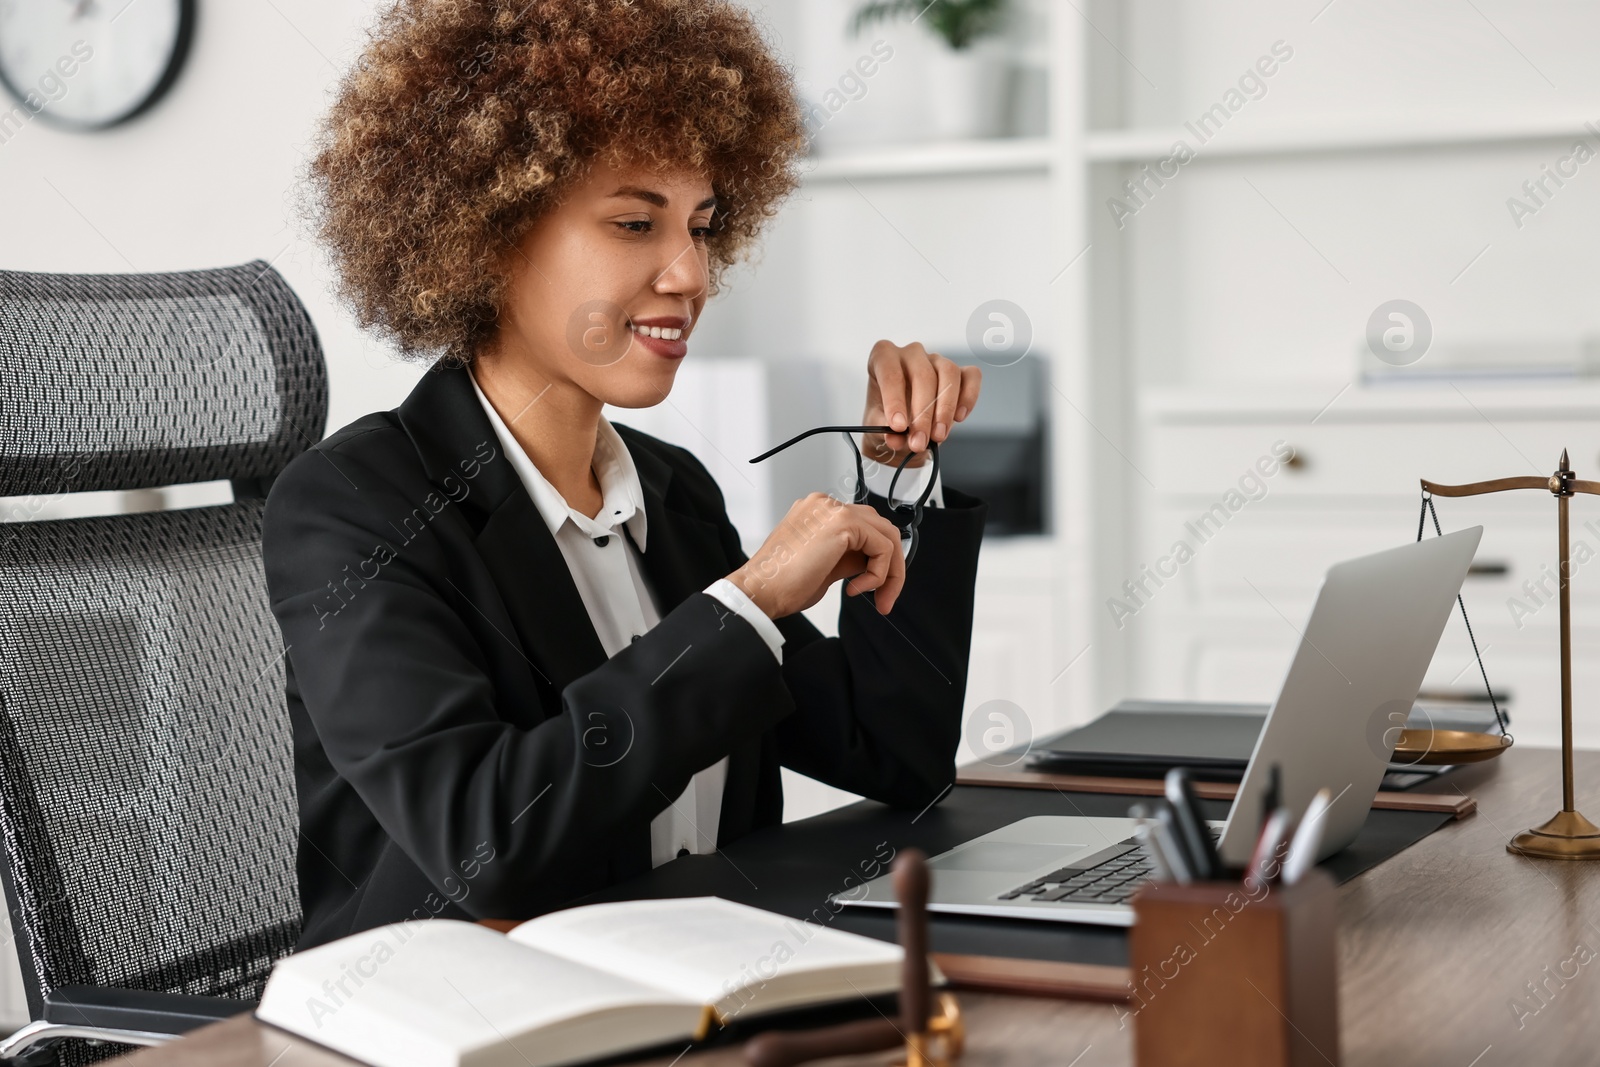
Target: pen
[(1144, 833), (1191, 827), (1307, 838), (1165, 834), (1272, 798), (1267, 845)]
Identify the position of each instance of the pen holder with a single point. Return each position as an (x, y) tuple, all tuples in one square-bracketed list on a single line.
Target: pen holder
[(1236, 973)]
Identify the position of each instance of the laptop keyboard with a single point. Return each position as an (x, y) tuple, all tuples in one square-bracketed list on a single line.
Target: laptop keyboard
[(1109, 876)]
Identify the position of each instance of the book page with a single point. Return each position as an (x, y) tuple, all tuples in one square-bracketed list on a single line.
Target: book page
[(718, 952), (443, 993)]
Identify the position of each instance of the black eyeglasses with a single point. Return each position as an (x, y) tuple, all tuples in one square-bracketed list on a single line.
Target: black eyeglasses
[(908, 532)]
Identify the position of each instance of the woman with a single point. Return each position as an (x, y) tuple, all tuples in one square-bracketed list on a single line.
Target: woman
[(526, 655)]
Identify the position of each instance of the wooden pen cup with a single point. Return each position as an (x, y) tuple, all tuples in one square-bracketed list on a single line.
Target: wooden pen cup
[(1236, 973)]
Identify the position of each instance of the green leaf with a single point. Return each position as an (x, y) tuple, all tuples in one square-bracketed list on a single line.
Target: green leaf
[(959, 22)]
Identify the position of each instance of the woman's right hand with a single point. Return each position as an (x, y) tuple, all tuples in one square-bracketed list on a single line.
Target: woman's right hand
[(820, 541)]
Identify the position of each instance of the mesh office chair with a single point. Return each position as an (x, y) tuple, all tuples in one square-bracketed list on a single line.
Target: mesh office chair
[(147, 806)]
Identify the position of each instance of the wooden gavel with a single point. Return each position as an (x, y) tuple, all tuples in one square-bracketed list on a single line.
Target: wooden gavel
[(934, 1042)]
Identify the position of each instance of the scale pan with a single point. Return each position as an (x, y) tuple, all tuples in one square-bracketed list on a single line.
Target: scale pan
[(1432, 748)]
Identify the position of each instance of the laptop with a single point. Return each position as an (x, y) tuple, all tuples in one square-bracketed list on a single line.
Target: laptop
[(1361, 660)]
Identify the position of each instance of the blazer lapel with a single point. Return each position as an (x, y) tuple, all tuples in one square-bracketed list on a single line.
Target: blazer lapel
[(539, 594), (443, 416), (684, 555), (683, 552)]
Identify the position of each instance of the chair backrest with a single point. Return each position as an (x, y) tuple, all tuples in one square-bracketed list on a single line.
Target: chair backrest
[(147, 804)]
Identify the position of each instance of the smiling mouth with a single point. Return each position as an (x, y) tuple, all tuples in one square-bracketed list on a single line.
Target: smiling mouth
[(663, 333)]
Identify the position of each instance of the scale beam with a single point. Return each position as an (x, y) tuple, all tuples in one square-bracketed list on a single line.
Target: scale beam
[(1500, 485), (1568, 835)]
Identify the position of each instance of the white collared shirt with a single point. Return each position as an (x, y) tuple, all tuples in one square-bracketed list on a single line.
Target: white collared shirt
[(621, 606)]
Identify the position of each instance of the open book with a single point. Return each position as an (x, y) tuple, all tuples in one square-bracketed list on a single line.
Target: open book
[(566, 987)]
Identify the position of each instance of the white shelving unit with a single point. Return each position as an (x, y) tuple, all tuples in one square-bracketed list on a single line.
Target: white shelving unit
[(993, 156), (1228, 311), (1138, 145)]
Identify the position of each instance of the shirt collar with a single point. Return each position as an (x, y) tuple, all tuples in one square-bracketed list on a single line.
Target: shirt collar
[(623, 498)]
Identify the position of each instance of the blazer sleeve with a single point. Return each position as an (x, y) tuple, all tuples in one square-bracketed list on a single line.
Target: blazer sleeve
[(396, 688), (878, 708)]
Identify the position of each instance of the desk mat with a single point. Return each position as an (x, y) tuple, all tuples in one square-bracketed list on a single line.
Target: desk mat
[(791, 869)]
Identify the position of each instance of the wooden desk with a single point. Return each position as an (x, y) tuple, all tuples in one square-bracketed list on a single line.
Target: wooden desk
[(1437, 945)]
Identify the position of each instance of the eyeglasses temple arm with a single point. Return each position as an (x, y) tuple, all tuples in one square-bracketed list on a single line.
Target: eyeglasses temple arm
[(822, 429)]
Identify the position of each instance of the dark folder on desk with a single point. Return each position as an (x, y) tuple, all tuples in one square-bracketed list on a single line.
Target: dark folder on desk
[(1147, 738)]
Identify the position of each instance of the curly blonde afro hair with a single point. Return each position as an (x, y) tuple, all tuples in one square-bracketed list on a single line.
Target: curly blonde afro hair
[(466, 120)]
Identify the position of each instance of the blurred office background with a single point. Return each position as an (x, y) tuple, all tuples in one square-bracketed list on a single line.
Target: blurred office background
[(1174, 233)]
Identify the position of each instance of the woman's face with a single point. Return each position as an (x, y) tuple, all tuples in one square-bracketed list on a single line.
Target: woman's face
[(607, 287)]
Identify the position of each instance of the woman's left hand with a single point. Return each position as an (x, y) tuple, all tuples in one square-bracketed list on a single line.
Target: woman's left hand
[(919, 393)]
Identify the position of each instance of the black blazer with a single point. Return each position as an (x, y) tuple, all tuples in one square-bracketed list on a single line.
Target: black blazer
[(462, 745)]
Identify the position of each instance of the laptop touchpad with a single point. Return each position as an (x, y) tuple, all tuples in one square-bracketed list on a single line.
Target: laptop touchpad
[(1001, 856)]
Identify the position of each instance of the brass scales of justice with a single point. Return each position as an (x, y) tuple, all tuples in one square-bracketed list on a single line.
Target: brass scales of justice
[(1567, 835)]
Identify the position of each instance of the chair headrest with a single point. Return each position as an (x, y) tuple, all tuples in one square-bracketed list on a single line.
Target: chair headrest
[(131, 381)]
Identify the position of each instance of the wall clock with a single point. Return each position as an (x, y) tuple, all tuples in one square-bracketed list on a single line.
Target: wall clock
[(89, 64)]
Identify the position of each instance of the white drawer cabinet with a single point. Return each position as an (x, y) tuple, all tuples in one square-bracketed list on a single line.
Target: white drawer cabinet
[(1281, 549), (1211, 657), (1366, 458), (1222, 624)]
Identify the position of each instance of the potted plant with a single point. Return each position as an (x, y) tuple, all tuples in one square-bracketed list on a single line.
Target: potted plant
[(965, 88)]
